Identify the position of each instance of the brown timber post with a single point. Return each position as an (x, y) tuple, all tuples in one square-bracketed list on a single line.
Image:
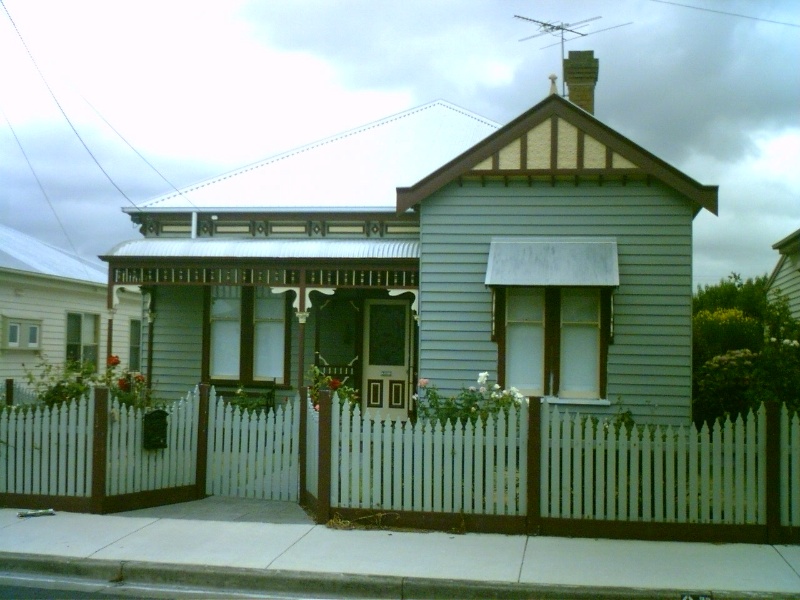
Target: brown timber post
[(534, 465), (99, 450), (9, 392), (202, 443), (773, 473), (323, 514)]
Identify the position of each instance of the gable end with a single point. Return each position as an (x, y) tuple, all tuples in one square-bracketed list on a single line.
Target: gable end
[(556, 140)]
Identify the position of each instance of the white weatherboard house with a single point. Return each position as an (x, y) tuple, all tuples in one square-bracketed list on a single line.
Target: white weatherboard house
[(552, 252), (54, 307), (785, 278)]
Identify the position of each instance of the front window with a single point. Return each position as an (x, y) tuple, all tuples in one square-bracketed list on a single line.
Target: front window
[(247, 335), (554, 341), (83, 338)]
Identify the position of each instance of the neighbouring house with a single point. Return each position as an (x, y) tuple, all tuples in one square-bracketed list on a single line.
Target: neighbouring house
[(552, 252), (785, 277), (54, 308)]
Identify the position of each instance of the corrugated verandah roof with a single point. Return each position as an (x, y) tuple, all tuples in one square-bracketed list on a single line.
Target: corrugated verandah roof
[(359, 168), (268, 249)]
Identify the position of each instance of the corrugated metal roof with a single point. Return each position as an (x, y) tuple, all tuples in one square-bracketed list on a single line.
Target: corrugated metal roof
[(267, 248), (22, 252), (359, 168), (541, 261)]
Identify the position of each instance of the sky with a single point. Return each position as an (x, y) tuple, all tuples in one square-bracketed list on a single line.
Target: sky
[(108, 104)]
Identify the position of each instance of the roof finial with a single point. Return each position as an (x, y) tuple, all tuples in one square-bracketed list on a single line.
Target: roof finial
[(553, 87)]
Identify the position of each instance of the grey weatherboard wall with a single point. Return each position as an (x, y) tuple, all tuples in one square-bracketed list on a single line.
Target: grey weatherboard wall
[(649, 363), (178, 341)]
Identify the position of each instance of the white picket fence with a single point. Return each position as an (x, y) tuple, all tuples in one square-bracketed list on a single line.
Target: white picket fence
[(46, 450), (312, 449), (253, 454), (131, 468), (380, 463), (664, 474), (790, 468)]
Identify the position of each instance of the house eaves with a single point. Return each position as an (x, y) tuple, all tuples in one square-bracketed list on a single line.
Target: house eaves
[(552, 109)]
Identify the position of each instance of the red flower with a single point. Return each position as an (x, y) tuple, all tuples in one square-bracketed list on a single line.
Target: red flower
[(123, 384), (335, 384), (112, 360), (139, 378)]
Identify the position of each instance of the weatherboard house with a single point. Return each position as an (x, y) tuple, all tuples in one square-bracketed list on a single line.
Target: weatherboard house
[(552, 252)]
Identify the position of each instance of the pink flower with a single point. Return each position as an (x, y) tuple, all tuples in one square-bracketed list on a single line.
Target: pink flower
[(423, 382)]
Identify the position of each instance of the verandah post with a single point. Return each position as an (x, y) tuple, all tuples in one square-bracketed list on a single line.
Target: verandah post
[(773, 473), (202, 442), (324, 482), (99, 450), (534, 465)]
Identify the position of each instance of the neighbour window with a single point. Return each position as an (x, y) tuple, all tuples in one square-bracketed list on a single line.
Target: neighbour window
[(247, 335), (555, 340), (21, 334), (13, 335), (83, 338), (135, 345)]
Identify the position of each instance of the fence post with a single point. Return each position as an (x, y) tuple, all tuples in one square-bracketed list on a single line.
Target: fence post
[(9, 392), (202, 442), (324, 481), (534, 509), (99, 450), (773, 473), (301, 441)]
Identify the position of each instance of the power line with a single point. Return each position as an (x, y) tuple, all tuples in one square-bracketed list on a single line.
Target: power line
[(44, 192), (138, 153), (730, 14), (60, 108)]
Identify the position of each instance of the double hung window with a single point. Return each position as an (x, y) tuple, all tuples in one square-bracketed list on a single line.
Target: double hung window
[(83, 338), (247, 335), (554, 340)]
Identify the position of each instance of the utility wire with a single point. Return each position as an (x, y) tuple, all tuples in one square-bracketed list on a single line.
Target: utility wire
[(60, 108), (44, 192), (138, 153), (730, 14)]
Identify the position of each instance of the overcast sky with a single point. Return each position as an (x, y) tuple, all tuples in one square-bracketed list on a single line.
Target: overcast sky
[(201, 87)]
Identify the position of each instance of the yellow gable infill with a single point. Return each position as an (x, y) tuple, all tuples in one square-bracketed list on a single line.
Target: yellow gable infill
[(556, 139), (574, 151)]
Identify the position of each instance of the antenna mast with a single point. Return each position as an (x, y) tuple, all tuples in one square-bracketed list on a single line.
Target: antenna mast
[(560, 29)]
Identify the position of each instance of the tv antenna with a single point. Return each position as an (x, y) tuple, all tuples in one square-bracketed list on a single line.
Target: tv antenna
[(562, 30)]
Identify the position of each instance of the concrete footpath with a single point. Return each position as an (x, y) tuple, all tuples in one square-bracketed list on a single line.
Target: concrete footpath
[(236, 546)]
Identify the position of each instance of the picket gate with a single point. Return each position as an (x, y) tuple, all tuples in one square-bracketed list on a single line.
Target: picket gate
[(253, 454)]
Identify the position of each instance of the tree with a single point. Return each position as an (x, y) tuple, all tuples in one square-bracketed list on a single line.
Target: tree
[(745, 349)]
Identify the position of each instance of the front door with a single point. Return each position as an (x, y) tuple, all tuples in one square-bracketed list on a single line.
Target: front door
[(387, 357)]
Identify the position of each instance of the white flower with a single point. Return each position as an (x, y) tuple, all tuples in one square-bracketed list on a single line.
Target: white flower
[(496, 386), (483, 377)]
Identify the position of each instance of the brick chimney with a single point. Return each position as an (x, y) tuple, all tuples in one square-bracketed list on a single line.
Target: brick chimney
[(580, 75)]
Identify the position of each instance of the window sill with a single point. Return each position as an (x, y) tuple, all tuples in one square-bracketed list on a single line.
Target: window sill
[(576, 401)]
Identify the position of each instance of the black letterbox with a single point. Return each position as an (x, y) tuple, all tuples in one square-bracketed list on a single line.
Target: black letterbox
[(154, 436)]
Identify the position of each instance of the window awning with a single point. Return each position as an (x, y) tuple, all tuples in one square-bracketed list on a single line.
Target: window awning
[(562, 261)]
